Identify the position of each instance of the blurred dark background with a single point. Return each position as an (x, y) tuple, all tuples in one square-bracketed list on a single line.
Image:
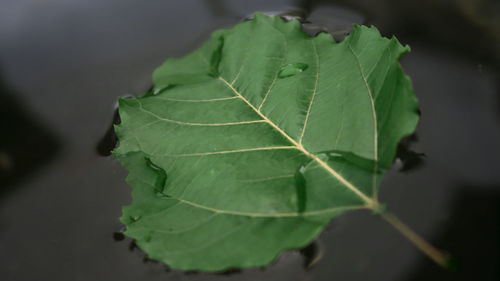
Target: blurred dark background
[(63, 63)]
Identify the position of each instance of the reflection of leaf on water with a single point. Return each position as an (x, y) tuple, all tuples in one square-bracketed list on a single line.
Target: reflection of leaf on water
[(265, 135), (26, 142)]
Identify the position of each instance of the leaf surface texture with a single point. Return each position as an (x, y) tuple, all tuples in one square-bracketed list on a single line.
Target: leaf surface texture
[(253, 143)]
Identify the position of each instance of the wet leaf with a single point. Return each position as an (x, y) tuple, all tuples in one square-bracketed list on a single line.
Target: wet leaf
[(253, 143)]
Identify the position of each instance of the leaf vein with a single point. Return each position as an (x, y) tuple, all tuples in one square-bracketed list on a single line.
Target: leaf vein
[(230, 151), (268, 178), (196, 124), (196, 100), (314, 92), (370, 202), (372, 103)]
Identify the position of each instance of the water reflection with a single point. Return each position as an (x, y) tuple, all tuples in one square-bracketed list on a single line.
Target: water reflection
[(312, 254), (407, 159), (475, 209), (109, 141), (26, 144)]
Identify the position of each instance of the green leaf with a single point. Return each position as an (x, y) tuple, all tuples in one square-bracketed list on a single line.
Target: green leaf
[(253, 143)]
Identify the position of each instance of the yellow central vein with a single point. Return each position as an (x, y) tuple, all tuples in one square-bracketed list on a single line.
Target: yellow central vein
[(314, 92), (370, 202), (232, 151)]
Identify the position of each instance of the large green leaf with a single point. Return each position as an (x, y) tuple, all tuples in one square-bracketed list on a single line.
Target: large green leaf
[(253, 143)]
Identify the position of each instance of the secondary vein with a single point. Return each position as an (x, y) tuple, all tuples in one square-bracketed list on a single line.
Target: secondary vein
[(196, 124), (267, 215), (372, 102), (314, 92), (232, 151), (374, 116)]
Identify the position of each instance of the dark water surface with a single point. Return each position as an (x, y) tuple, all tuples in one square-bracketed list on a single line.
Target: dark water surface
[(64, 63)]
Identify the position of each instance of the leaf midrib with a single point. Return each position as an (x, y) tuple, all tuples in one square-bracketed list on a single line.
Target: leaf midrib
[(369, 201)]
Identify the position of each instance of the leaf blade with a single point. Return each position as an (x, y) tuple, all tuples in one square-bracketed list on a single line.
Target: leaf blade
[(256, 130)]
